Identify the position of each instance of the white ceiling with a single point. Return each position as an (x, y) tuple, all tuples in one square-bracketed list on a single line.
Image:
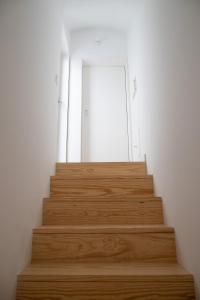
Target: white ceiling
[(116, 14)]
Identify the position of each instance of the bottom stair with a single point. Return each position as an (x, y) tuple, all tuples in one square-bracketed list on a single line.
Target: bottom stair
[(110, 281)]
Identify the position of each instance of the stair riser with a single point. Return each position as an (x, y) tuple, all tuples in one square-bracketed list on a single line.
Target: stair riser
[(111, 169), (94, 213), (174, 289), (105, 247), (102, 187)]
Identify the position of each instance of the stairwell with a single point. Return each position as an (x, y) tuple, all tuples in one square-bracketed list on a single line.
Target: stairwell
[(103, 238)]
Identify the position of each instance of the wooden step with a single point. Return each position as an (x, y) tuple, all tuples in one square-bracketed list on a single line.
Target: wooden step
[(102, 187), (140, 211), (114, 243), (105, 198), (120, 168), (162, 281), (103, 238)]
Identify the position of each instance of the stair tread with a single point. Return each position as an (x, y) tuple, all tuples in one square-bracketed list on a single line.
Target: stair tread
[(127, 198), (120, 163), (92, 271), (99, 177), (103, 200), (103, 229)]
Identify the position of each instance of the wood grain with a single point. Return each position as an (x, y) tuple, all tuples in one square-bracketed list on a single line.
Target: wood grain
[(107, 271), (139, 290), (108, 187), (104, 239), (103, 244), (140, 211), (104, 169), (105, 282)]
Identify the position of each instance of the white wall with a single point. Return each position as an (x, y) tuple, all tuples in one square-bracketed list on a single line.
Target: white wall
[(75, 108), (30, 47), (164, 55), (110, 51), (63, 109)]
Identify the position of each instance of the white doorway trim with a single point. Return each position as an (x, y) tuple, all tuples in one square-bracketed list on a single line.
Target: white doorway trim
[(63, 103), (129, 114)]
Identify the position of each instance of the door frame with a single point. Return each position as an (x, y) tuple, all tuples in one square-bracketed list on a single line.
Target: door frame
[(129, 114), (64, 59)]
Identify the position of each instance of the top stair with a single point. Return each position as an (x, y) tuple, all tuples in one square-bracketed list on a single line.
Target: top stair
[(102, 169), (101, 180)]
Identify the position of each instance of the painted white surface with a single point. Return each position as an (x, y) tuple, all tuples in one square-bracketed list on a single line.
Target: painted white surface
[(99, 46), (30, 47), (111, 51), (135, 131), (104, 119), (117, 14), (164, 56), (75, 104), (63, 109)]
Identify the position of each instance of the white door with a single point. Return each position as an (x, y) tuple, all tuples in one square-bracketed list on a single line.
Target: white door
[(104, 115)]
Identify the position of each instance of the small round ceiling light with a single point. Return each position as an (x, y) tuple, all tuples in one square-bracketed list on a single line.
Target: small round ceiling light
[(98, 41)]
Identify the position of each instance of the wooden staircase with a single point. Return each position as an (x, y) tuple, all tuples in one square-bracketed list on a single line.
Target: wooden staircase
[(103, 238)]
